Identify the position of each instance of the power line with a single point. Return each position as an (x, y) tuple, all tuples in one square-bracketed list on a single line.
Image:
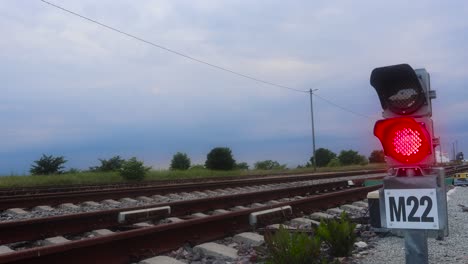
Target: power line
[(195, 59), (172, 51), (342, 108)]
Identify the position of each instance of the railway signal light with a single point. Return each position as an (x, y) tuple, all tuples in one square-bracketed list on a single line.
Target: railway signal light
[(406, 133)]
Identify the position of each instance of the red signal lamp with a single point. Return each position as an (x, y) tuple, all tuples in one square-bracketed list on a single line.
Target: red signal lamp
[(404, 139)]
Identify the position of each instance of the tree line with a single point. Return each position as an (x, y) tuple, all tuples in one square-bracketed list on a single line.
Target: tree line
[(219, 158)]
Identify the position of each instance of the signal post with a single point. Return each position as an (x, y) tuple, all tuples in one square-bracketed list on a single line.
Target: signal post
[(413, 200)]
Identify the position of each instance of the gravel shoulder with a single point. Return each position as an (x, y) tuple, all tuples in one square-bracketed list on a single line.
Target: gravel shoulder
[(454, 249)]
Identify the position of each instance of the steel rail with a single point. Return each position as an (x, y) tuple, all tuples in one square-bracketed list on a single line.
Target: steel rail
[(28, 201), (75, 188), (40, 228), (133, 245)]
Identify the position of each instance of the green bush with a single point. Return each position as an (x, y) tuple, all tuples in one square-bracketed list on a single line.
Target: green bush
[(338, 235), (323, 157), (297, 248), (269, 165), (133, 170), (113, 164), (220, 159), (242, 166), (48, 165), (335, 162), (197, 167), (180, 161)]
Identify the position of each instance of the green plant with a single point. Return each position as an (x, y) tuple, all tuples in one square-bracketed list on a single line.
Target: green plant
[(220, 159), (338, 235), (323, 156), (242, 166), (286, 248), (113, 164), (48, 165), (335, 162), (269, 165), (180, 161), (133, 170), (197, 167)]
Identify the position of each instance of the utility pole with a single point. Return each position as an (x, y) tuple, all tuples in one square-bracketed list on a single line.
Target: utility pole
[(313, 130)]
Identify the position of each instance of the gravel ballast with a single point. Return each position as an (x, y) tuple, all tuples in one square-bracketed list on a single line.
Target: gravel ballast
[(452, 249)]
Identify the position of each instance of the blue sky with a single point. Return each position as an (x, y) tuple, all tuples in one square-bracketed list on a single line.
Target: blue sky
[(72, 88)]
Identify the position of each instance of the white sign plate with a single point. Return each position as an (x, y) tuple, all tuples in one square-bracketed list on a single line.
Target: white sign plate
[(411, 208)]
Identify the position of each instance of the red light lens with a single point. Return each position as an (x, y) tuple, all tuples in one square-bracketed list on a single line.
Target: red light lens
[(403, 139)]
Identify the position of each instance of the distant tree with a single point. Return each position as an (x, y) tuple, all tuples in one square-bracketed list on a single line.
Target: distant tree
[(133, 170), (377, 156), (323, 157), (180, 161), (113, 164), (349, 157), (242, 166), (48, 165), (335, 162), (269, 165), (197, 167), (220, 158), (73, 171)]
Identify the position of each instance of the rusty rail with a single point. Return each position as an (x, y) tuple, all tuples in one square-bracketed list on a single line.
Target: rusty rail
[(40, 228), (27, 201), (131, 246)]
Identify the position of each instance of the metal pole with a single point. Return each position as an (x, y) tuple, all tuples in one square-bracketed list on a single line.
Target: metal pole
[(416, 246), (440, 149), (313, 131)]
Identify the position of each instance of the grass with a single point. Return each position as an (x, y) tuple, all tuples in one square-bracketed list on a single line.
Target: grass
[(114, 177)]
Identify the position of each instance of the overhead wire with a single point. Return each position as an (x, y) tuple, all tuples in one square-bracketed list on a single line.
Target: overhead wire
[(197, 60)]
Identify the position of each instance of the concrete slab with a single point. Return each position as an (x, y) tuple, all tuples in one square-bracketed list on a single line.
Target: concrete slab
[(217, 250), (199, 215), (69, 206), (200, 193), (361, 204), (90, 204), (175, 196), (249, 238), (43, 208), (277, 226), (239, 208), (16, 211), (5, 249), (304, 222), (55, 240), (220, 211), (335, 211), (128, 200), (351, 208), (144, 214), (110, 202), (143, 224), (102, 232), (144, 199), (317, 216), (174, 219), (159, 198), (256, 205), (270, 214), (272, 202), (210, 192), (161, 260)]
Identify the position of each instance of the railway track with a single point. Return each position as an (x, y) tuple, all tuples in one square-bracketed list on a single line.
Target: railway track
[(54, 199), (194, 221), (121, 235)]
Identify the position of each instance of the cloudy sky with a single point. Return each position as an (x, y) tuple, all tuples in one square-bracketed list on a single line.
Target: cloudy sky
[(73, 88)]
